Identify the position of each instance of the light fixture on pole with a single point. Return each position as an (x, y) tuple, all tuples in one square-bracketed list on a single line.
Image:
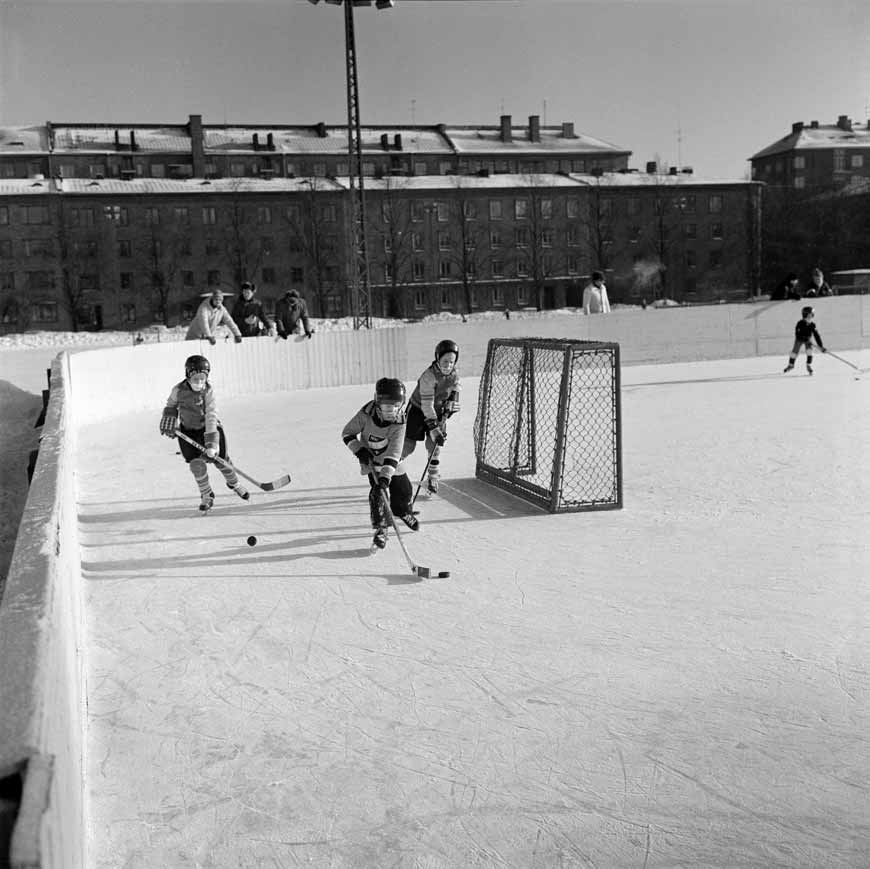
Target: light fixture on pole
[(358, 260)]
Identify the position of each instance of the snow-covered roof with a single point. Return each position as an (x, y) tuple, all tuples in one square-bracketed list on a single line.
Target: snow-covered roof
[(821, 137), (199, 186), (23, 140), (170, 139), (647, 179), (25, 186), (480, 140)]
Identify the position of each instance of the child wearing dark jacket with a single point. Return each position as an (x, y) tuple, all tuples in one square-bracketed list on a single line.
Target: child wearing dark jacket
[(805, 332)]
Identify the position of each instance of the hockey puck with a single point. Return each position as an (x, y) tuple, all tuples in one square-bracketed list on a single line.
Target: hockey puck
[(443, 574), (252, 541)]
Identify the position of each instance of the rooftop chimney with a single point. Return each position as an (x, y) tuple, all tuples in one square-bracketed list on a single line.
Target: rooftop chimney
[(270, 141), (506, 134), (568, 130), (814, 125), (320, 129), (672, 170), (797, 126), (197, 148), (397, 141), (256, 141), (534, 128), (385, 141), (133, 145), (117, 141), (651, 167), (844, 123)]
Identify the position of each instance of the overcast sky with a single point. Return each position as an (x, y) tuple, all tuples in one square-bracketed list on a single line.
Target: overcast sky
[(698, 82)]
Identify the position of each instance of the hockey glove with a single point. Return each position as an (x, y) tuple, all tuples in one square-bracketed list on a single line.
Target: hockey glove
[(437, 434), (823, 349), (210, 453), (212, 340), (167, 425), (238, 339), (383, 483), (451, 406), (364, 455), (284, 335)]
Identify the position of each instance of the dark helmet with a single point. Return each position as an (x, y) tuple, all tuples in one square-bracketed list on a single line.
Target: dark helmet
[(807, 310), (446, 347), (196, 365), (390, 389)]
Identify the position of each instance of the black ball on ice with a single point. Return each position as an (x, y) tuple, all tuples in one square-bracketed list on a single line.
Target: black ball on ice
[(252, 541)]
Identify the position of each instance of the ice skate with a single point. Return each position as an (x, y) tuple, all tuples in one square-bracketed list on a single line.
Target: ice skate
[(810, 370), (379, 541), (787, 368), (241, 491), (410, 519), (207, 502), (432, 486)]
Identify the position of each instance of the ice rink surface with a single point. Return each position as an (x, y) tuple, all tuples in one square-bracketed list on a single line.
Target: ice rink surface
[(681, 683)]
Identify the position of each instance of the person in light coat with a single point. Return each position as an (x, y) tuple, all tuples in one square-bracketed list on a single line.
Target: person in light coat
[(209, 315), (595, 299)]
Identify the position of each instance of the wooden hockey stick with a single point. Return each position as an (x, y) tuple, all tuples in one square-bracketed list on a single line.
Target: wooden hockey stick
[(416, 569), (840, 358), (423, 476), (277, 483)]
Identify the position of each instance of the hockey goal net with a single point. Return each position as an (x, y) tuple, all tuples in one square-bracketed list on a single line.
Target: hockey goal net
[(548, 425)]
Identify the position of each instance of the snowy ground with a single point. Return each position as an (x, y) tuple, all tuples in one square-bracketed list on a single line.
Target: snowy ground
[(683, 682)]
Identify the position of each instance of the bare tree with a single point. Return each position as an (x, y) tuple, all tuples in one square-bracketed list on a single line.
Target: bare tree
[(313, 235), (162, 258), (536, 235), (390, 228), (599, 223), (242, 249), (76, 252)]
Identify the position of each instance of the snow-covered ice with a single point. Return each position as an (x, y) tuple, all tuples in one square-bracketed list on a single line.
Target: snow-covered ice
[(684, 682)]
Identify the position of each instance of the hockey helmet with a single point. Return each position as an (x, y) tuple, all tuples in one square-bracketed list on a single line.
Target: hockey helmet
[(807, 312), (389, 398), (196, 365), (443, 348)]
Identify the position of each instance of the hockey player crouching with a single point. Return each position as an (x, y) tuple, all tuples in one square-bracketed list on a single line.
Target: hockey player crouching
[(191, 409), (434, 400), (804, 332), (375, 436)]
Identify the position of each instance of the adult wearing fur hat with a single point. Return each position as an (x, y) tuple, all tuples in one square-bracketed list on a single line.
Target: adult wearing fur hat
[(289, 313)]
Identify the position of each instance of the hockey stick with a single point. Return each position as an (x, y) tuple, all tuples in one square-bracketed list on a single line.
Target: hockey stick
[(278, 483), (416, 569), (840, 358), (423, 476)]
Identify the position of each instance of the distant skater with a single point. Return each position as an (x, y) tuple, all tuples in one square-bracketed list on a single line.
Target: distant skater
[(805, 332)]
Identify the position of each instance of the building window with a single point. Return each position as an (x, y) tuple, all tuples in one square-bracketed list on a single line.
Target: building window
[(522, 296), (442, 210), (125, 248), (522, 268), (715, 259), (546, 238), (128, 313), (39, 280), (444, 269), (839, 161), (690, 230), (443, 240), (6, 248), (445, 298), (36, 247), (521, 237), (633, 205), (117, 214), (495, 238), (7, 280), (89, 282), (268, 275), (716, 231), (45, 312), (416, 241), (328, 213), (572, 208), (572, 265), (799, 182), (691, 259), (418, 270), (152, 216), (38, 214), (264, 214), (420, 299), (4, 215), (187, 278), (158, 170), (497, 267), (97, 170), (212, 247), (237, 170), (87, 248), (297, 274), (266, 245), (420, 167), (495, 209), (547, 209), (498, 296), (799, 163), (181, 214), (469, 210), (293, 213), (209, 215), (572, 235), (417, 211), (715, 204), (388, 271), (214, 278), (521, 209), (857, 161)]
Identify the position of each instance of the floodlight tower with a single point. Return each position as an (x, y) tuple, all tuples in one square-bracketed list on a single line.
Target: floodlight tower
[(358, 260)]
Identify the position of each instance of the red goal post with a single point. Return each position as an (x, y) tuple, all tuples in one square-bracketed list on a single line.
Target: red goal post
[(549, 425)]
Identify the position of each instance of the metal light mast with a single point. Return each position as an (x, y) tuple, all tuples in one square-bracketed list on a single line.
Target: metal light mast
[(358, 260)]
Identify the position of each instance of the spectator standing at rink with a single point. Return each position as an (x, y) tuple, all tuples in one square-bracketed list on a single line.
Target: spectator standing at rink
[(818, 286), (209, 315), (248, 313), (595, 299), (786, 289), (434, 400), (289, 313), (375, 435), (804, 332), (191, 409)]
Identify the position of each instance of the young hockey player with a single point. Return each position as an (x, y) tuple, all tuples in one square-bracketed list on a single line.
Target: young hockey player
[(804, 333), (434, 400), (191, 409), (375, 435)]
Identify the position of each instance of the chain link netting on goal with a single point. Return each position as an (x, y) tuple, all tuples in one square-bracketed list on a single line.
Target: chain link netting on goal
[(548, 425)]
